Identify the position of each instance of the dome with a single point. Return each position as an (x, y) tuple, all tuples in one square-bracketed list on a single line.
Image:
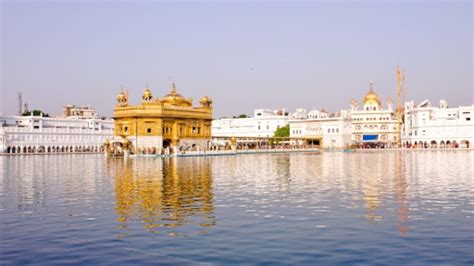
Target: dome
[(205, 99), (121, 96), (147, 93), (147, 96), (371, 96), (175, 98), (206, 102)]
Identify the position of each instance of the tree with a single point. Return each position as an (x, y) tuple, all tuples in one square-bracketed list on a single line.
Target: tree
[(241, 116), (35, 113), (282, 132)]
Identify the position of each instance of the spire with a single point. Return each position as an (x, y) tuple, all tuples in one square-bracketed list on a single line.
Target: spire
[(371, 85), (173, 85)]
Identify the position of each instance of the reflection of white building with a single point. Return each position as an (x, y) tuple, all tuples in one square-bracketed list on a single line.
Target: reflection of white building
[(431, 126), (262, 124), (374, 126), (37, 134), (330, 130)]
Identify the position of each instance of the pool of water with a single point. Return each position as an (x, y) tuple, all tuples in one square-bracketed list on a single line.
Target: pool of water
[(383, 207)]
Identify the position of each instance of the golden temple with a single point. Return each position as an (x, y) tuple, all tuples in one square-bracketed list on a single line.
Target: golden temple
[(159, 125)]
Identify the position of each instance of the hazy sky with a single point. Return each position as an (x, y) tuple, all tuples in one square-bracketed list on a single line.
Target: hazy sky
[(244, 54)]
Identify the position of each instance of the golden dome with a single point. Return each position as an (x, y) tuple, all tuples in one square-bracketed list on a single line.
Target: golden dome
[(121, 96), (206, 102), (147, 94), (205, 99), (175, 98), (371, 96)]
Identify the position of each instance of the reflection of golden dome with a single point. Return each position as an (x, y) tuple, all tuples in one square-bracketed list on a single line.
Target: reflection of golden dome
[(175, 98)]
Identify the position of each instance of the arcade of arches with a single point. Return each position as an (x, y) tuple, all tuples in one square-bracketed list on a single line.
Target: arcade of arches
[(54, 149), (433, 144)]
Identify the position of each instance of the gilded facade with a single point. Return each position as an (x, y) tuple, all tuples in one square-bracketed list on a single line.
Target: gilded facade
[(160, 123)]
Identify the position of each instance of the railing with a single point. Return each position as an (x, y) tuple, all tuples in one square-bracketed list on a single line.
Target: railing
[(56, 130)]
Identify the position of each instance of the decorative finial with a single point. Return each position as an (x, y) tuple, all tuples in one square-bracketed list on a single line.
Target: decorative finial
[(121, 87), (174, 87), (371, 84)]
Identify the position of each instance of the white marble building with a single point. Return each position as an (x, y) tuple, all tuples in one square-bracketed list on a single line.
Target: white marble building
[(329, 130), (79, 112), (374, 126), (262, 124), (428, 126), (300, 113), (37, 134)]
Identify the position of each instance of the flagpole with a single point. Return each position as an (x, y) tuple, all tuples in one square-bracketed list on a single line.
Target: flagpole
[(400, 79)]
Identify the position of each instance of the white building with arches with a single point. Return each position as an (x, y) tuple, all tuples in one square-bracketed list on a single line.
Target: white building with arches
[(37, 134), (374, 126), (428, 126)]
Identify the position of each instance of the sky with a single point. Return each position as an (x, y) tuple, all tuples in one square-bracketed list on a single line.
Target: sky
[(245, 55)]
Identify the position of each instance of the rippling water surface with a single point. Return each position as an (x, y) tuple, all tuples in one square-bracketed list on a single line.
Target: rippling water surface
[(330, 208)]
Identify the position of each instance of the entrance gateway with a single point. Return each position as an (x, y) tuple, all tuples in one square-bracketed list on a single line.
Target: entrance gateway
[(371, 141)]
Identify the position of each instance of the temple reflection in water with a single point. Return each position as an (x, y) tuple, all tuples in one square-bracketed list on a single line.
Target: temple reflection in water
[(376, 187), (164, 194)]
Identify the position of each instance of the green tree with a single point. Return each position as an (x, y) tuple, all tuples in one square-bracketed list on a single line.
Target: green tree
[(35, 113), (241, 116), (282, 132)]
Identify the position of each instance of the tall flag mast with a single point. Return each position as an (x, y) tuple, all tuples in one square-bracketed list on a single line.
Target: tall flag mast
[(20, 104), (400, 93)]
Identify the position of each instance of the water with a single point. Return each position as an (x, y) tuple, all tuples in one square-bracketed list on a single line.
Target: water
[(331, 208)]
